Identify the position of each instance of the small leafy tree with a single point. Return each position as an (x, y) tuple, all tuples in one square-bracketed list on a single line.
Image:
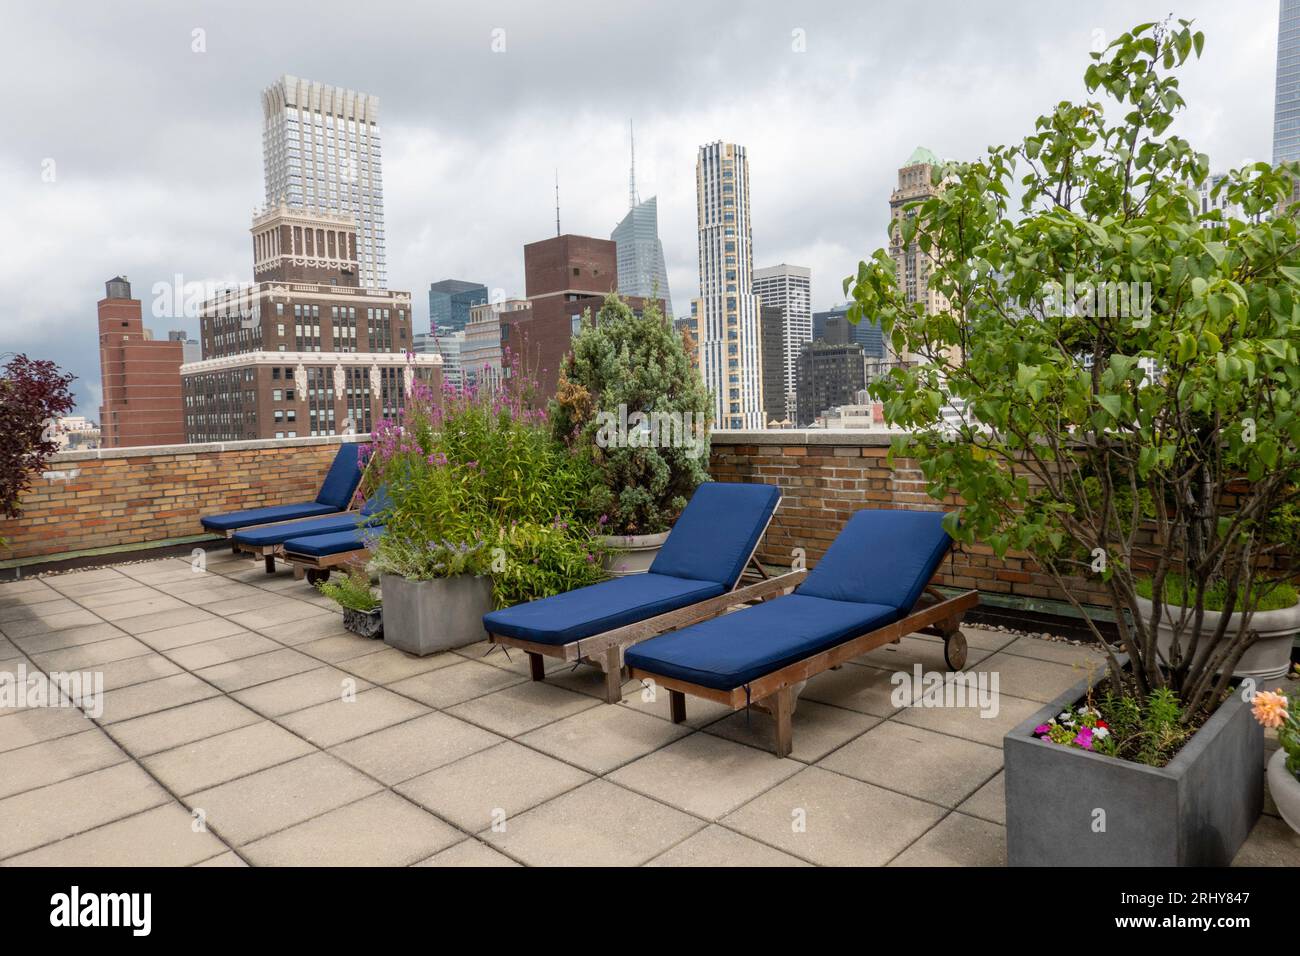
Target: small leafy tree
[(630, 396), (1125, 366), (33, 393)]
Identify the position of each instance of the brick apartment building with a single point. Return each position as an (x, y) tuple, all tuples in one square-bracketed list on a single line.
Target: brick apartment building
[(140, 375), (563, 277), (305, 349)]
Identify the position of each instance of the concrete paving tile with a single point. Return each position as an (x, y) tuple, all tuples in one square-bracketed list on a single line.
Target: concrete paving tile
[(263, 668), (603, 738), (147, 698), (717, 846), (339, 647), (221, 650), (197, 632), (265, 802), (41, 764), (492, 785), (1059, 652), (338, 720), (34, 627), (134, 670), (236, 753), (520, 708), (158, 604), (818, 729), (300, 691), (865, 689), (282, 611), (244, 603), (310, 629), (958, 840), (389, 665), (39, 611), (107, 599), (452, 685), (154, 733), (655, 701), (597, 824), (1033, 678), (969, 723), (163, 836), (88, 655), (159, 620), (704, 775), (37, 817), (834, 820), (229, 858), (21, 728), (469, 852), (380, 830), (417, 746), (989, 802), (72, 637), (919, 763)]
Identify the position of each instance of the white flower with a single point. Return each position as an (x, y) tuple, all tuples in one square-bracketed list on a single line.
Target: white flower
[(1100, 732)]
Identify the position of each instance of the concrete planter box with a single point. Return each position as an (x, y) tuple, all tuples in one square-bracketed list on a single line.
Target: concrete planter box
[(1269, 658), (1195, 811), (425, 617), (631, 553)]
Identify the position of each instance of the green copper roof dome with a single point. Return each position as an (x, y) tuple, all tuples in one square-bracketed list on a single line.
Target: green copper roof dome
[(922, 155)]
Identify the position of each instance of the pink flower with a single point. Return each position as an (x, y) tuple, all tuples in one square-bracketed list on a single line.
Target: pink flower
[(1084, 738), (1042, 729)]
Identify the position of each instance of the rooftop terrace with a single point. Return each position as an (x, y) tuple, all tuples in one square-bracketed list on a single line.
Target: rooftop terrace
[(236, 698)]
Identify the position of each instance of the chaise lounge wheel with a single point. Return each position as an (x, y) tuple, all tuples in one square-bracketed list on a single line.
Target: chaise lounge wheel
[(954, 650), (316, 575)]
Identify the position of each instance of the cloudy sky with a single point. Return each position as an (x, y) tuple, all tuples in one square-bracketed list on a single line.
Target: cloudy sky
[(128, 150)]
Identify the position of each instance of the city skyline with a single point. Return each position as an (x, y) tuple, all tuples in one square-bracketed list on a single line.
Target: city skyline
[(825, 128)]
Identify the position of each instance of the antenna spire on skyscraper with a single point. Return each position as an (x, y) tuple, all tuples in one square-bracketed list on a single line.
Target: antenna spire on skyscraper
[(632, 197)]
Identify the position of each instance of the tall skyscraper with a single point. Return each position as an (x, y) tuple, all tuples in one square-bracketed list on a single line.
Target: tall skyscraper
[(915, 182), (321, 152), (1286, 103), (834, 328), (641, 268), (788, 288), (140, 376), (449, 303), (726, 313)]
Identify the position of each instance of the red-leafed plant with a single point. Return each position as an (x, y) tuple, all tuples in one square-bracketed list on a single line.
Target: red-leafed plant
[(33, 394)]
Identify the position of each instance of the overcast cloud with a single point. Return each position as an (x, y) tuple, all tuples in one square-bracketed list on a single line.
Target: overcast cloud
[(157, 149)]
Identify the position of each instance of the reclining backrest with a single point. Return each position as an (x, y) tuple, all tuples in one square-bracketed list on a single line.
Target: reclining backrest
[(881, 557), (717, 532), (341, 480)]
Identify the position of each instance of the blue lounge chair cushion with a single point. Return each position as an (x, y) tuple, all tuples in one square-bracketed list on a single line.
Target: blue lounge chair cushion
[(261, 536), (334, 542), (881, 557), (730, 651), (574, 615), (341, 480), (242, 519), (717, 532)]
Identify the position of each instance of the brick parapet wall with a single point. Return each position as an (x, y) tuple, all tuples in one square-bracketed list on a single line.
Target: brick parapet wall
[(825, 476), (129, 497)]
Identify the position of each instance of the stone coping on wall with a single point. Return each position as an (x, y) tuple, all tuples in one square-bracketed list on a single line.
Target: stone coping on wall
[(200, 448), (805, 436)]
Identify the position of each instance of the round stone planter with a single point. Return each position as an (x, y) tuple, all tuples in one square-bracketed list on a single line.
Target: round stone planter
[(631, 553), (1267, 659), (1285, 789)]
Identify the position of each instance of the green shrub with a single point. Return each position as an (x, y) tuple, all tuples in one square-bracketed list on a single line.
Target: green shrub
[(351, 591), (1268, 595), (631, 399)]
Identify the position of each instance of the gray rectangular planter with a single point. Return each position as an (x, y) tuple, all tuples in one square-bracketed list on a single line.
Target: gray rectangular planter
[(424, 617), (1195, 811)]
